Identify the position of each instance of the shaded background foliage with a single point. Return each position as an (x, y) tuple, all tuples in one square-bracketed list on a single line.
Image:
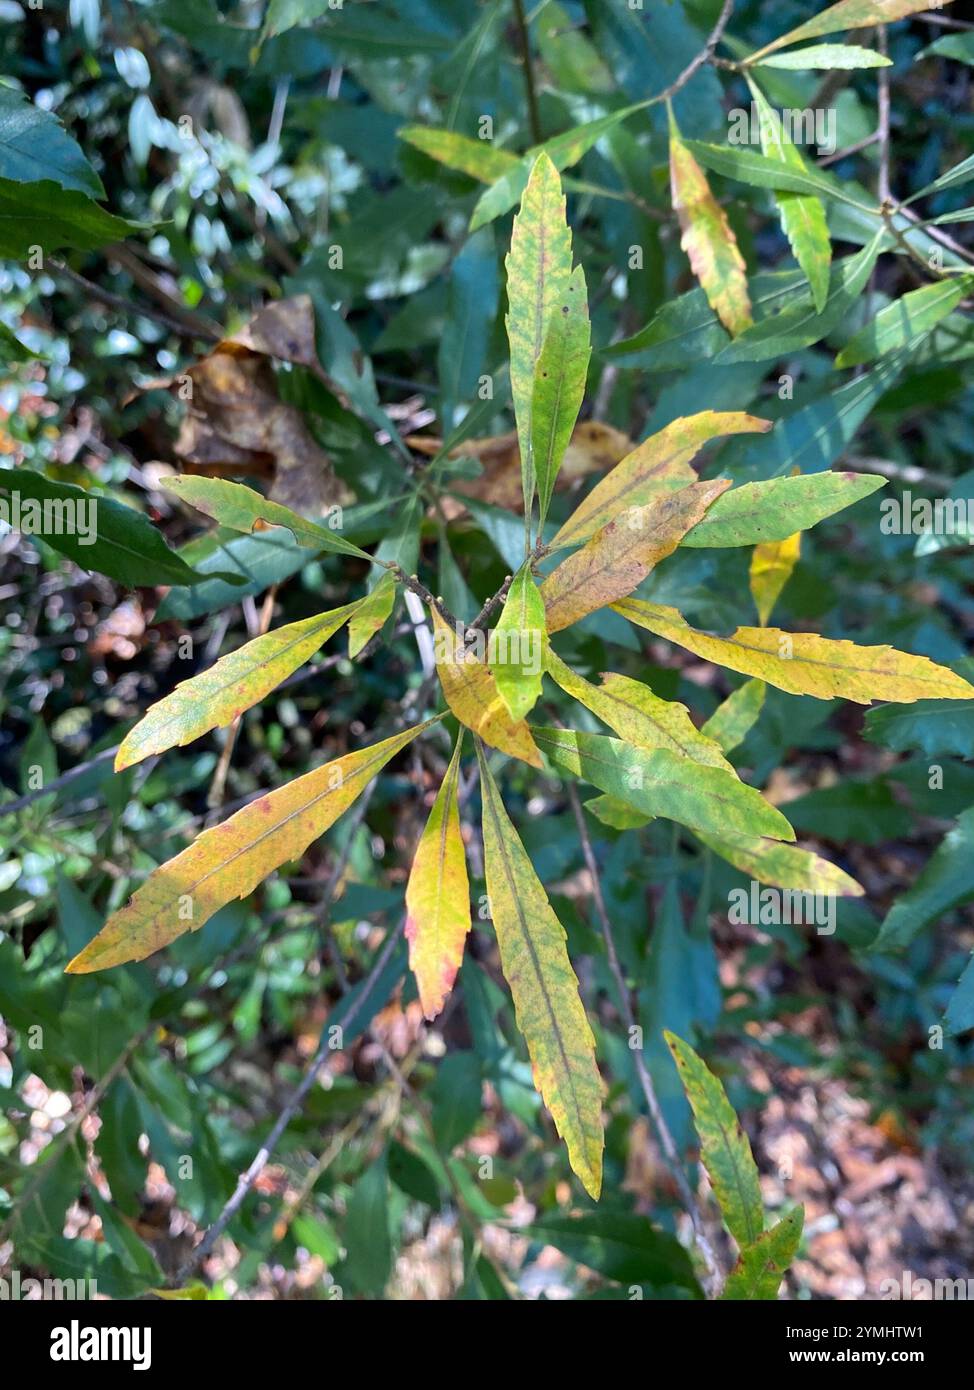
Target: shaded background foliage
[(378, 1183)]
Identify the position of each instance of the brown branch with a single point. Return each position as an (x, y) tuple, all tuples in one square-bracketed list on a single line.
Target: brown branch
[(534, 115)]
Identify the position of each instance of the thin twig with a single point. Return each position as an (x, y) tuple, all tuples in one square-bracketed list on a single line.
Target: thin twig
[(260, 1160), (533, 114), (198, 329), (672, 1157), (704, 56), (882, 92)]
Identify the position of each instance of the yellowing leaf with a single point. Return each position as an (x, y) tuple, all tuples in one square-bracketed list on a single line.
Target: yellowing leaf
[(731, 722), (848, 14), (802, 663), (539, 267), (229, 861), (707, 238), (517, 645), (661, 464), (771, 568), (438, 896), (637, 715), (233, 684), (478, 158), (724, 1149), (371, 613), (619, 557), (547, 1006), (471, 692), (559, 385), (783, 866), (243, 509), (762, 1265), (617, 814)]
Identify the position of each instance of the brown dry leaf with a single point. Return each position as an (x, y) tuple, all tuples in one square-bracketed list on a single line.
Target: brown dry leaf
[(594, 448), (237, 422)]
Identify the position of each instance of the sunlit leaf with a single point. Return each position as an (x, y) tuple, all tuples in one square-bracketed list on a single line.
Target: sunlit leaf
[(802, 663), (772, 565), (762, 1265), (559, 385), (518, 643), (547, 1006), (230, 860), (438, 896), (913, 313), (774, 509), (371, 613), (471, 692)]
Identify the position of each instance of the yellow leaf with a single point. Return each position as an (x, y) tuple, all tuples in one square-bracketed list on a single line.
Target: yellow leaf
[(230, 860), (547, 1006), (659, 465), (372, 613), (782, 866), (637, 715), (233, 684), (707, 238), (471, 692), (622, 553), (802, 663), (438, 896), (771, 568)]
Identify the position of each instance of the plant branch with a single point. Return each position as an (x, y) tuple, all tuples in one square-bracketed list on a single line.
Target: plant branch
[(533, 114)]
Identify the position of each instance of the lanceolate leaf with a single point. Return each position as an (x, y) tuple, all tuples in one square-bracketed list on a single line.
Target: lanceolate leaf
[(731, 722), (772, 565), (906, 318), (782, 866), (773, 510), (803, 663), (95, 532), (764, 171), (847, 14), (658, 466), (559, 385), (242, 509), (802, 215), (661, 783), (724, 1149), (637, 715), (707, 238), (479, 158), (370, 615), (762, 1265), (946, 880), (438, 896), (621, 555), (547, 1005), (841, 56), (233, 684), (518, 643), (539, 267), (230, 860), (471, 692)]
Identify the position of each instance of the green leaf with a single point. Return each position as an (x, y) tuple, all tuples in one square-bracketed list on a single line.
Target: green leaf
[(242, 509), (620, 1245), (799, 323), (539, 267), (724, 1149), (368, 1244), (12, 349), (479, 158), (802, 216), (663, 783), (233, 684), (827, 55), (638, 716), (559, 385), (775, 509), (782, 866), (731, 722), (932, 726), (904, 320), (123, 543), (547, 1006), (46, 215), (946, 881), (761, 171), (847, 14), (517, 645), (34, 145), (960, 47), (762, 1265), (959, 1017), (473, 294)]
